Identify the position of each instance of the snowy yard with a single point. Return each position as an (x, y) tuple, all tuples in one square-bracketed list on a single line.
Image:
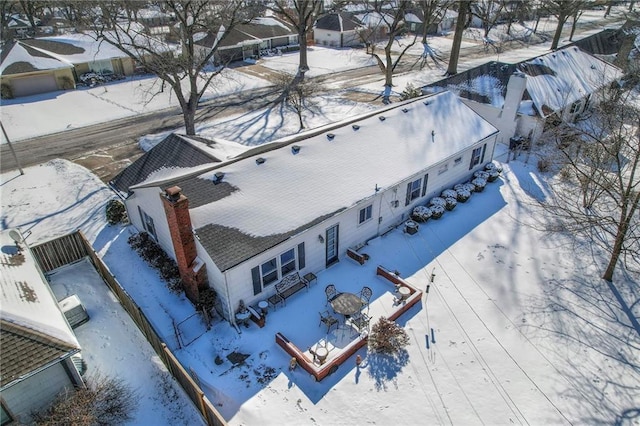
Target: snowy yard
[(517, 327), (520, 327)]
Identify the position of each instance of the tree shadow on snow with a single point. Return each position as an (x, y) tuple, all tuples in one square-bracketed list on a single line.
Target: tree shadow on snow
[(384, 368), (592, 344)]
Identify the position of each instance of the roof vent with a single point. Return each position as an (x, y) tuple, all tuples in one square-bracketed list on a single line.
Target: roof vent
[(330, 136), (382, 118), (217, 178), (260, 160), (405, 110), (295, 149), (355, 127), (427, 103)]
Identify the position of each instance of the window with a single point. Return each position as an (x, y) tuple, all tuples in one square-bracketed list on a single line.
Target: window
[(477, 156), (413, 191), (575, 107), (287, 262), (147, 223), (365, 214), (276, 268), (424, 184), (269, 271), (457, 161)]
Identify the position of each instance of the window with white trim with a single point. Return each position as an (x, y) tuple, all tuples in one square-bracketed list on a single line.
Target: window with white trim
[(413, 191), (287, 262), (365, 214), (269, 271), (147, 223), (475, 157)]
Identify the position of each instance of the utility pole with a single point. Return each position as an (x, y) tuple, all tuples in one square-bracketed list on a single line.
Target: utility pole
[(15, 157)]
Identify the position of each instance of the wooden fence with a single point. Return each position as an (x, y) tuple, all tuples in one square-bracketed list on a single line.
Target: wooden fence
[(70, 248)]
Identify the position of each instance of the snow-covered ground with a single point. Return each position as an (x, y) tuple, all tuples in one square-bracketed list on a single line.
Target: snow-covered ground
[(516, 328)]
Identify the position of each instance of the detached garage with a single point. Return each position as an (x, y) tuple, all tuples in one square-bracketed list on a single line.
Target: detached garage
[(26, 71)]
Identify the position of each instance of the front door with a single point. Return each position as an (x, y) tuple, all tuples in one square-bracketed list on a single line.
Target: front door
[(332, 245)]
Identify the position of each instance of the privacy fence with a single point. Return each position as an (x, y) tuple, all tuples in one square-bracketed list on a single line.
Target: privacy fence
[(73, 247)]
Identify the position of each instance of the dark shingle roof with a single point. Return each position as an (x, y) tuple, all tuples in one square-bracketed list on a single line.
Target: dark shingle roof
[(336, 22), (58, 47), (25, 350), (465, 84), (173, 151), (250, 31), (229, 247)]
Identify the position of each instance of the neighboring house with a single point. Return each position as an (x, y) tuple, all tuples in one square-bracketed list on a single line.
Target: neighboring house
[(38, 345), (297, 204), (42, 65), (19, 26), (26, 71), (519, 99), (336, 29), (250, 40), (85, 53)]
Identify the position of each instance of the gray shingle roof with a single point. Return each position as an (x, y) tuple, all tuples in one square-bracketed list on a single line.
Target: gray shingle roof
[(229, 247), (336, 22), (25, 350), (58, 47), (174, 151), (254, 31)]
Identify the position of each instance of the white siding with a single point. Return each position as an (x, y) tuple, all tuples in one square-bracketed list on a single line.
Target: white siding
[(351, 233), (149, 200), (36, 392)]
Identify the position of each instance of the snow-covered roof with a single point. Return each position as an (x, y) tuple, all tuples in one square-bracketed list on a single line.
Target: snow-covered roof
[(26, 299), (560, 78), (75, 48), (21, 58), (412, 17), (374, 19), (288, 192)]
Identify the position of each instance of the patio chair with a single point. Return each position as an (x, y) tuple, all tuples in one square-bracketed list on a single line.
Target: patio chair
[(331, 293), (365, 295), (360, 321), (328, 320)]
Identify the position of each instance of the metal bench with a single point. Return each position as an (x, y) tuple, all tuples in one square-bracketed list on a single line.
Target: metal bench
[(287, 287)]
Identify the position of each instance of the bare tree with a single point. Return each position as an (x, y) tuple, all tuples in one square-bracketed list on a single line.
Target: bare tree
[(32, 10), (296, 94), (386, 19), (599, 195), (433, 12), (187, 70), (302, 14), (488, 11), (104, 401), (463, 9), (562, 10)]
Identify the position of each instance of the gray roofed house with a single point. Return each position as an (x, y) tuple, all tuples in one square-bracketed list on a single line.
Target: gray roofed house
[(38, 344), (337, 29), (250, 40), (297, 204), (518, 98), (175, 151)]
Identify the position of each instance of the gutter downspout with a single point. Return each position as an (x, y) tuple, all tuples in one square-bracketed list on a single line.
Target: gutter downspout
[(232, 318)]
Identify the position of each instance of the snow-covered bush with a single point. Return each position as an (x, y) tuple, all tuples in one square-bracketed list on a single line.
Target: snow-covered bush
[(437, 201), (437, 211), (153, 254), (387, 337), (464, 191), (491, 166), (450, 203), (479, 184), (481, 174), (449, 193), (494, 174), (421, 214)]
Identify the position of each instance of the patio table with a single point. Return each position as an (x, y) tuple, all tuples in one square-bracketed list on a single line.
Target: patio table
[(346, 304)]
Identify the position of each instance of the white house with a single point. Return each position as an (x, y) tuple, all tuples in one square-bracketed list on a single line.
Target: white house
[(518, 99), (297, 204), (37, 342), (336, 29)]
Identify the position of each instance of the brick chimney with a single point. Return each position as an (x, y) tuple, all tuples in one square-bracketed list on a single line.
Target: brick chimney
[(192, 269)]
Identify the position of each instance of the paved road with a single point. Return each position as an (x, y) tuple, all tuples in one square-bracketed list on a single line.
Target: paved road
[(106, 148)]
